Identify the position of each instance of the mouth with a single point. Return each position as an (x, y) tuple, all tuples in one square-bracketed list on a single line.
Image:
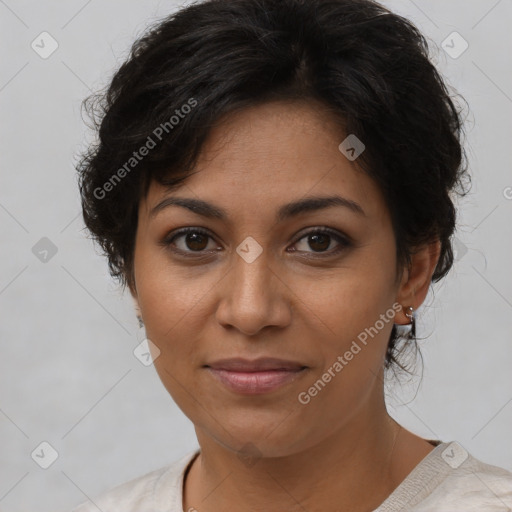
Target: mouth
[(255, 377)]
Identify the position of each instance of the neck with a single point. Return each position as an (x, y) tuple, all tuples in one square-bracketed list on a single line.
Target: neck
[(356, 468)]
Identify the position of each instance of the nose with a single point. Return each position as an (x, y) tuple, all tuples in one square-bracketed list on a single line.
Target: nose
[(253, 296)]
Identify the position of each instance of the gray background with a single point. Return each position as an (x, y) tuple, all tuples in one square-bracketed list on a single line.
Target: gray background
[(67, 372)]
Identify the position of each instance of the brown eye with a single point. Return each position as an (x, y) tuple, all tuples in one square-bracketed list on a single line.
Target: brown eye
[(319, 241), (196, 241), (190, 240)]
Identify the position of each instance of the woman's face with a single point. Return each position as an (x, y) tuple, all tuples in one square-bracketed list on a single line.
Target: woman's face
[(266, 279)]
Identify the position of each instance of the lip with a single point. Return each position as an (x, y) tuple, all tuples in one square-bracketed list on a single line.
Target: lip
[(254, 377)]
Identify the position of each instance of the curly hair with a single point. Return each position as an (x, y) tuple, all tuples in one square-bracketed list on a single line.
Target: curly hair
[(367, 65)]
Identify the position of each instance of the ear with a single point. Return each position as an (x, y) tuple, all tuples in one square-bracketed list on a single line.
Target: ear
[(416, 279)]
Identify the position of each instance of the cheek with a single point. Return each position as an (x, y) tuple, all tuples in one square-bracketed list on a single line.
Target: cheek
[(350, 299), (166, 298), (353, 306), (173, 309), (352, 336), (360, 317)]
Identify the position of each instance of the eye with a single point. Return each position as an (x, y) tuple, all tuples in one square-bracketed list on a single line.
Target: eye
[(320, 240), (190, 240)]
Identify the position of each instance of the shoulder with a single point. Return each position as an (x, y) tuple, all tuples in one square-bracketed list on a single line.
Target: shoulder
[(157, 491), (449, 479), (468, 484)]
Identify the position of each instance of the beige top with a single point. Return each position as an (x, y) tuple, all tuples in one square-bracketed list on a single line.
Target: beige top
[(448, 479)]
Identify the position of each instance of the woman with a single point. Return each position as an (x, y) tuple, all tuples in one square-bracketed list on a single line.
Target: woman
[(273, 182)]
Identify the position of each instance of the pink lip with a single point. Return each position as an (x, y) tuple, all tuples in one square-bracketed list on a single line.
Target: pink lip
[(255, 377)]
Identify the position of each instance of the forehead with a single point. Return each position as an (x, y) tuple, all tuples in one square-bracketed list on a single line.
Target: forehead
[(270, 154)]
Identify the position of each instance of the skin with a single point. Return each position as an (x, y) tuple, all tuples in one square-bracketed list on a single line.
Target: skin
[(297, 300)]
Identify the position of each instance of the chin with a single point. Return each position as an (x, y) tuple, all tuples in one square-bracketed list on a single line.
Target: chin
[(255, 435)]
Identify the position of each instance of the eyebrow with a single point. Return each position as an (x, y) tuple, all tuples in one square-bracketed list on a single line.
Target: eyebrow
[(287, 211)]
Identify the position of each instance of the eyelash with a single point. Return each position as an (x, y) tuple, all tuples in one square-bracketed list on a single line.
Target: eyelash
[(343, 241)]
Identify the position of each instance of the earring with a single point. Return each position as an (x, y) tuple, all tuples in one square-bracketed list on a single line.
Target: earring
[(411, 317), (141, 322)]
